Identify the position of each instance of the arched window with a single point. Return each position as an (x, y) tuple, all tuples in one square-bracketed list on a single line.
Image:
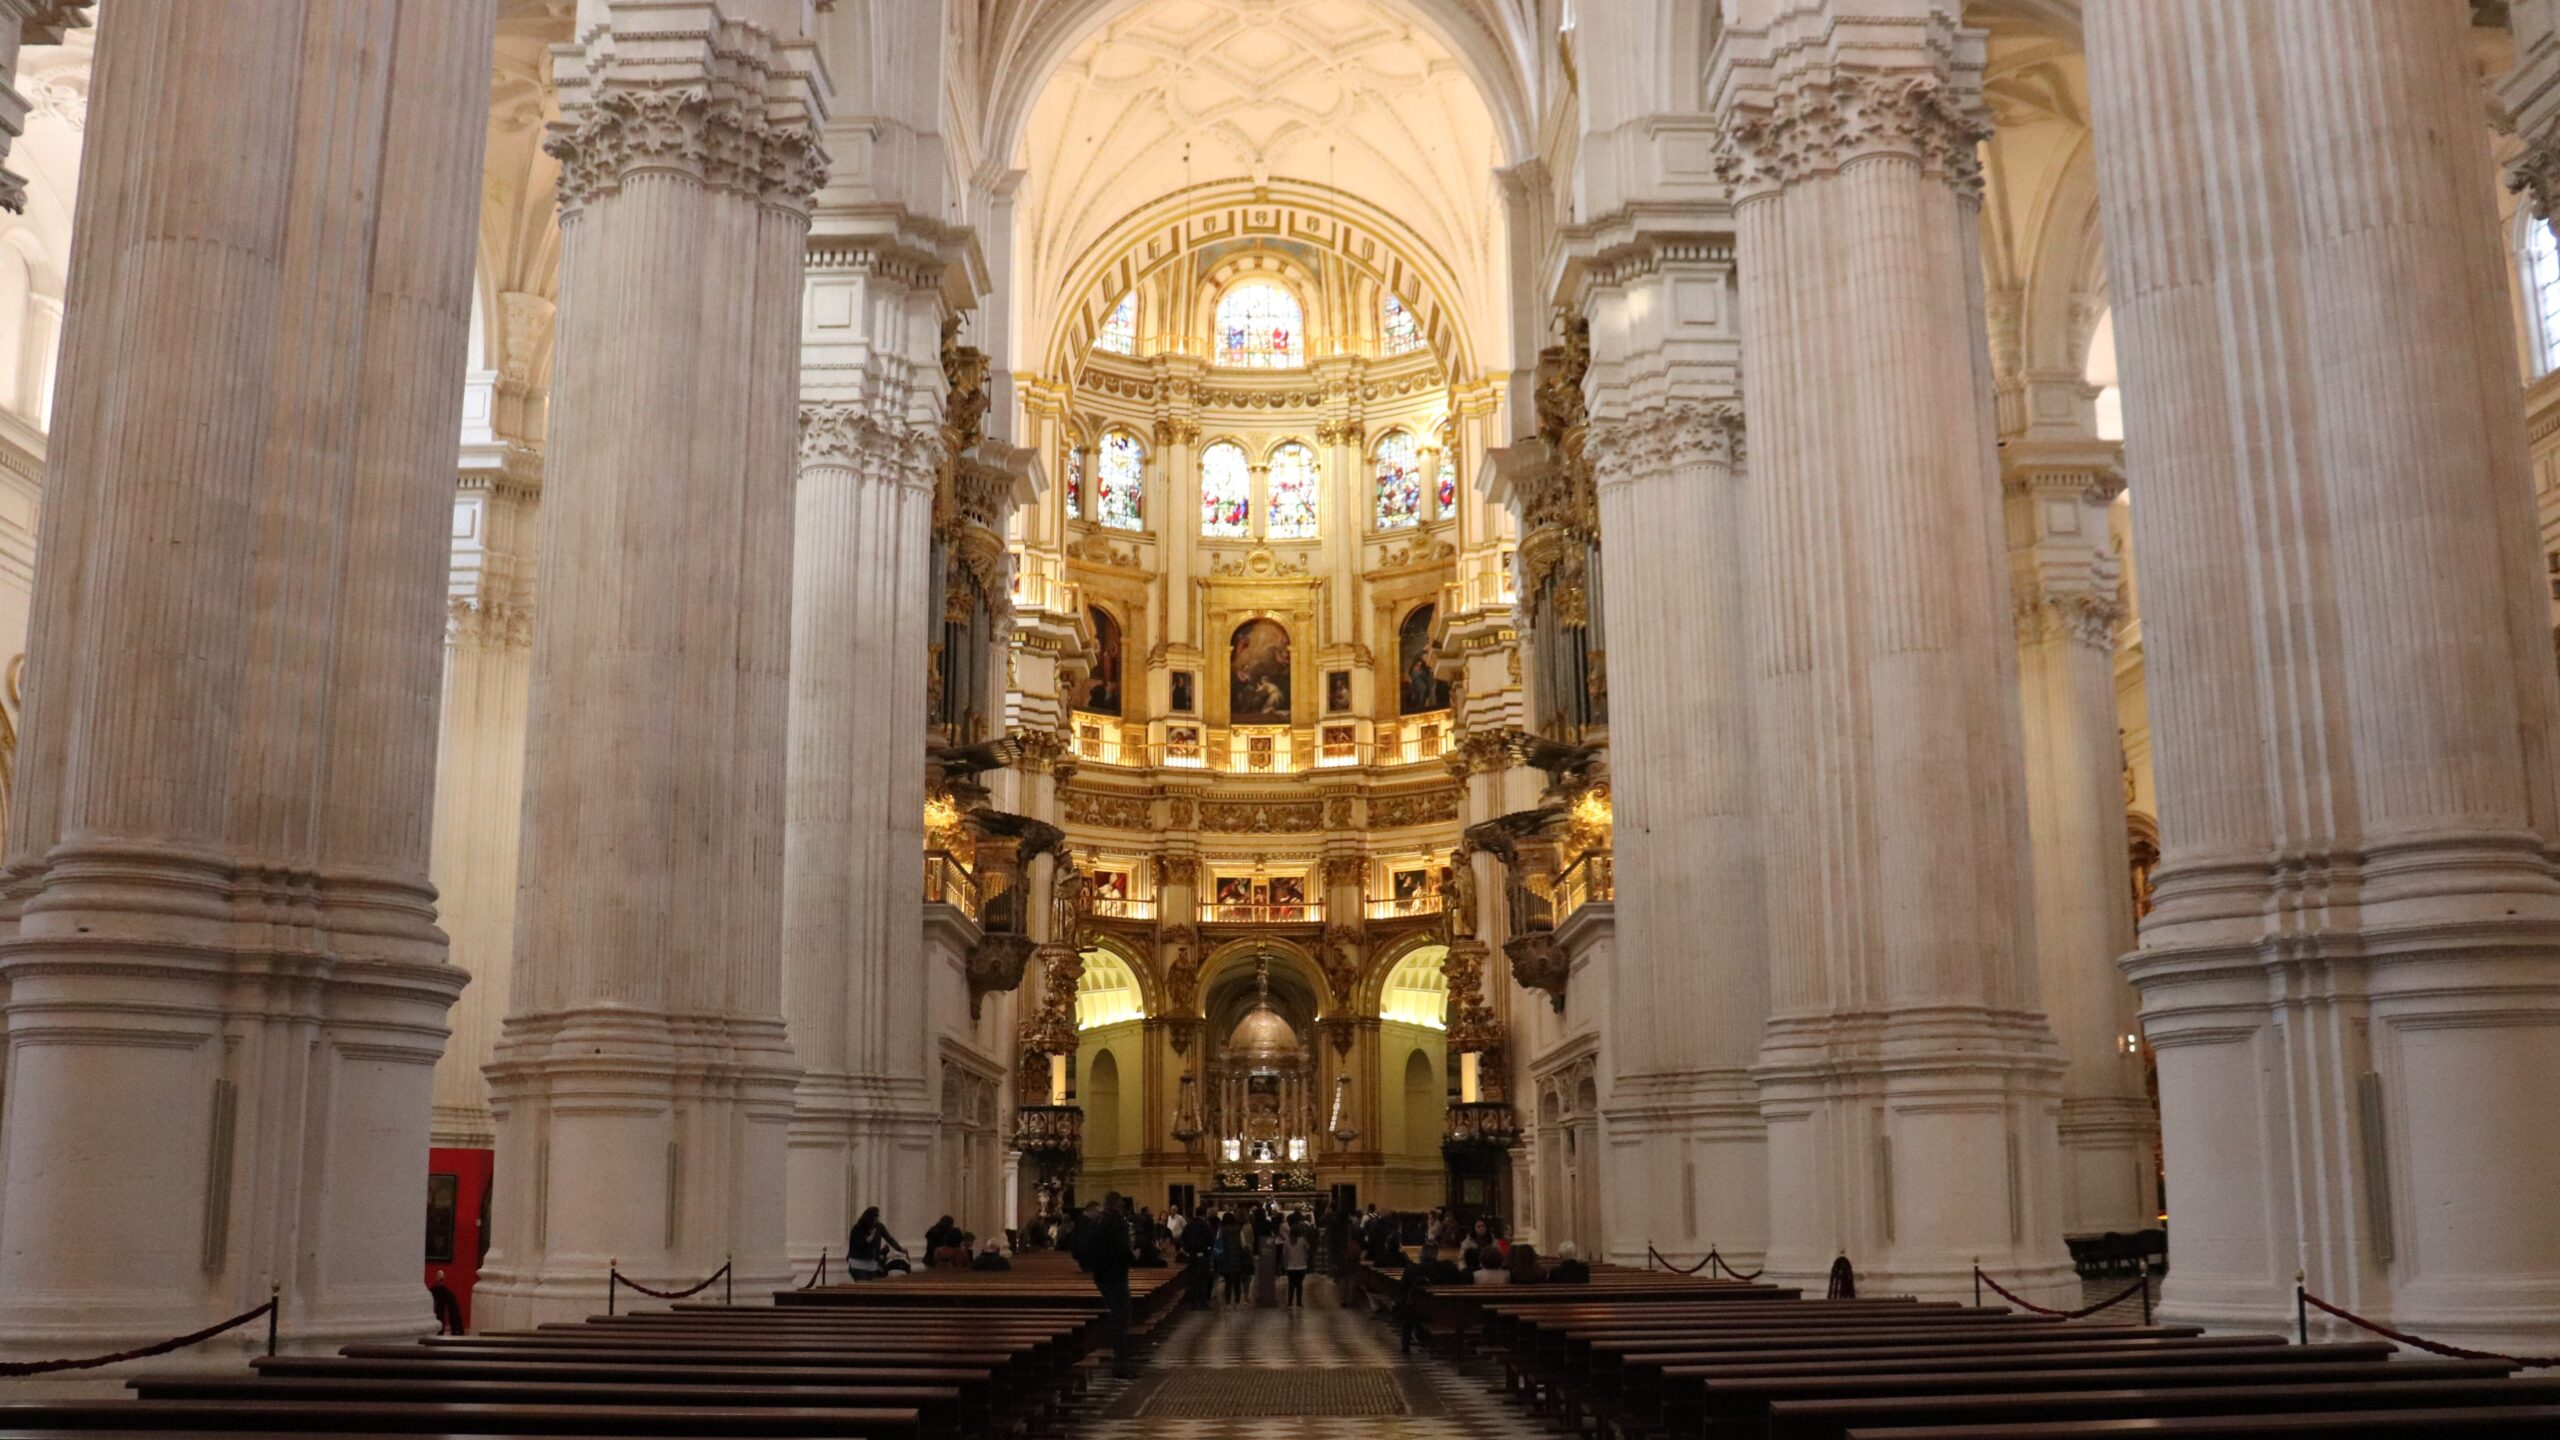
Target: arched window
[(1120, 482), (1226, 491), (1075, 480), (1259, 325), (1120, 328), (1292, 507), (1399, 481), (1396, 325), (2542, 292)]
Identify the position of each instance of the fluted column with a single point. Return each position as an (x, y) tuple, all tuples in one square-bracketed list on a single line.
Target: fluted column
[(1687, 1149), (2352, 971), (642, 1085), (1909, 1080), (225, 988), (853, 852), (2066, 577)]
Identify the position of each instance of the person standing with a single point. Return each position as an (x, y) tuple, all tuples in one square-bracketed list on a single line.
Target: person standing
[(1296, 1255), (1103, 1250)]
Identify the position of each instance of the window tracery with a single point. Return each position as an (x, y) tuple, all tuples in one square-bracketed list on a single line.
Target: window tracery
[(1260, 327), (1291, 512), (1401, 333), (1120, 482), (1119, 333), (1399, 481), (1226, 491)]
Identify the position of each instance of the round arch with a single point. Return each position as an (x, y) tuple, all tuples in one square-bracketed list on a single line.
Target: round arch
[(1172, 228), (1413, 990), (1241, 953), (1114, 967)]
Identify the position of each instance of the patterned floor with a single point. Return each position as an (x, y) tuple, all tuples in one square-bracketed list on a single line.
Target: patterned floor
[(1217, 1363)]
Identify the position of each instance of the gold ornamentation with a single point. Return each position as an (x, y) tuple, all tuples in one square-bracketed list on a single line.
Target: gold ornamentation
[(1260, 564), (1260, 817), (1422, 807), (1107, 809), (1337, 812), (1345, 870)]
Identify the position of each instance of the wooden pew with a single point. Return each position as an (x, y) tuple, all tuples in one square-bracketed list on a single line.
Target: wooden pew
[(385, 1418), (2487, 1422), (1833, 1419)]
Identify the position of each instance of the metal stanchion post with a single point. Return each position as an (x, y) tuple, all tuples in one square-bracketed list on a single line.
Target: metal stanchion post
[(1977, 1282), (275, 1304), (728, 1279), (2301, 1311), (612, 1282)]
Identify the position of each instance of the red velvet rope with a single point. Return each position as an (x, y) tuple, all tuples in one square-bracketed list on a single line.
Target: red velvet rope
[(2083, 1313), (48, 1367), (2529, 1362), (672, 1294), (814, 1276)]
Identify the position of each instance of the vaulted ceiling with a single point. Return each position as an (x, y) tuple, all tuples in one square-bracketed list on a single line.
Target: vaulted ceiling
[(1358, 95)]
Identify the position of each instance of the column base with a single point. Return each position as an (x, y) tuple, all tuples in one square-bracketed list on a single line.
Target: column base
[(1688, 1168), (855, 1143)]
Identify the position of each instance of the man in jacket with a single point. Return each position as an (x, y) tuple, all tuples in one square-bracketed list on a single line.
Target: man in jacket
[(1103, 1250)]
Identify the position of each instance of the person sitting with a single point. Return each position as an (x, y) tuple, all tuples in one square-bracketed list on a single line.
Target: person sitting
[(1569, 1269), (1523, 1264), (991, 1258), (869, 1251), (448, 1309)]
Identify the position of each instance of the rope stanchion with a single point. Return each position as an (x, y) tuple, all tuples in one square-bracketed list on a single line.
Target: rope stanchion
[(819, 1276), (2304, 1298), (616, 1279), (51, 1367), (1655, 1257), (2141, 1287)]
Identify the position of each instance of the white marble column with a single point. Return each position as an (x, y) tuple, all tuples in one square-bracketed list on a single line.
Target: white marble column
[(1687, 1151), (2066, 577), (642, 1085), (2352, 971), (1909, 1080), (855, 986), (225, 988), (488, 672)]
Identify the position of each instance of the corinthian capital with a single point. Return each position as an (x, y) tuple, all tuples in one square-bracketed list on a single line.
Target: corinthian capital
[(721, 102), (1658, 439), (1819, 122)]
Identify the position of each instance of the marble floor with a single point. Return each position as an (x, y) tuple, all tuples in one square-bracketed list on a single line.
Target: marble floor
[(1338, 1369)]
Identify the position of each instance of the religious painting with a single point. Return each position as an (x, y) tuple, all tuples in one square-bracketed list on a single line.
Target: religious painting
[(1235, 890), (1289, 892), (1410, 884), (1111, 885), (1421, 691), (1185, 699), (1337, 691), (444, 1204), (1258, 674), (1102, 690)]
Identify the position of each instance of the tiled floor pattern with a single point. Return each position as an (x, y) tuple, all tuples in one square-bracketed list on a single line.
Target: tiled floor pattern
[(1198, 1371)]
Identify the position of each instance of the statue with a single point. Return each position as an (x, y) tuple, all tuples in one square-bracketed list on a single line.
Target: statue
[(1070, 904), (1182, 977), (1458, 894)]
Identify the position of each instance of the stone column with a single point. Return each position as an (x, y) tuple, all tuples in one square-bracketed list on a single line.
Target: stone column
[(2352, 971), (1688, 1154), (225, 988), (853, 854), (488, 669), (2065, 577), (642, 1085), (1909, 1080)]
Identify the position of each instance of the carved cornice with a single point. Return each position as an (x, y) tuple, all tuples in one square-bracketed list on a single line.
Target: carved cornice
[(1826, 120), (712, 134)]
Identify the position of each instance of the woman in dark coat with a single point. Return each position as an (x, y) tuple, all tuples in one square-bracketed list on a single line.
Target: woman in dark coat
[(867, 1250)]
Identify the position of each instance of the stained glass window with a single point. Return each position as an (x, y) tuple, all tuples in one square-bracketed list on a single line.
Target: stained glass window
[(1075, 482), (1399, 481), (1120, 480), (1226, 491), (1401, 331), (1120, 328), (1292, 512), (1448, 484), (1259, 326), (2542, 287)]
